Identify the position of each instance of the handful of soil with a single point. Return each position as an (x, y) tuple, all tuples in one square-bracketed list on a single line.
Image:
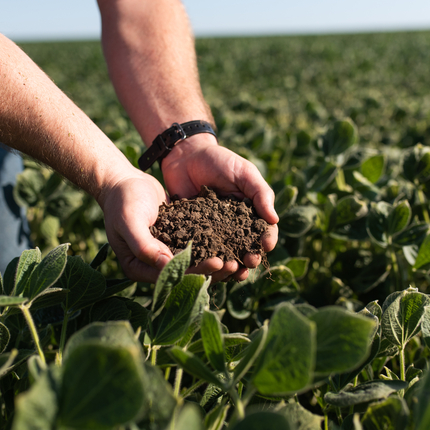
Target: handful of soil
[(223, 227)]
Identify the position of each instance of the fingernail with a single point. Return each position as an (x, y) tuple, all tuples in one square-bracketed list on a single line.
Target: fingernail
[(162, 261)]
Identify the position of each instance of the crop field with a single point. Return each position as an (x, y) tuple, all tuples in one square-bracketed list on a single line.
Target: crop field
[(335, 335)]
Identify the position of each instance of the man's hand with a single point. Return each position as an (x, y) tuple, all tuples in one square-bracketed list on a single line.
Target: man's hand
[(200, 161), (130, 207)]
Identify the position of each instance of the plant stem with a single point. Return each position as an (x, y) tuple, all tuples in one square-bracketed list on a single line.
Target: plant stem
[(240, 408), (395, 268), (423, 203), (178, 381), (63, 336), (190, 390), (154, 355), (167, 373), (27, 315), (402, 367)]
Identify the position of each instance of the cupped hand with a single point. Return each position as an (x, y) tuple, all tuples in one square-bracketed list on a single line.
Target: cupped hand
[(130, 207), (199, 160)]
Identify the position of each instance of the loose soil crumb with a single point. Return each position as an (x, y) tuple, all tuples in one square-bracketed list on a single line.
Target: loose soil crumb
[(221, 227)]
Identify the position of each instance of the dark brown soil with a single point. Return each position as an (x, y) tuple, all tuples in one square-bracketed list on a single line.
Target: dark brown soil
[(218, 226)]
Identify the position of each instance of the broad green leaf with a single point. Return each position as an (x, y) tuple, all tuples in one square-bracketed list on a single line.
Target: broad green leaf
[(263, 420), (416, 164), (159, 402), (287, 360), (251, 354), (213, 341), (343, 339), (399, 218), (103, 386), (377, 222), (422, 404), (64, 204), (111, 309), (189, 418), (49, 228), (425, 325), (300, 418), (85, 284), (423, 257), (177, 314), (298, 220), (272, 281), (9, 276), (412, 235), (373, 168), (36, 409), (240, 301), (347, 210), (230, 341), (194, 366), (402, 317), (101, 256), (365, 392), (392, 412), (114, 286), (12, 301), (4, 337), (112, 333), (340, 137), (28, 261), (171, 275), (323, 177), (286, 199), (298, 266), (375, 309), (47, 271), (28, 186), (50, 297)]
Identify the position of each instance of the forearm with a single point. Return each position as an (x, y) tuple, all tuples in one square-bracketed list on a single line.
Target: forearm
[(151, 60), (36, 118)]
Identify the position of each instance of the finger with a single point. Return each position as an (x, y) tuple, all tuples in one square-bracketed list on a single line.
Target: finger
[(252, 260), (241, 274), (229, 268), (207, 267), (270, 238)]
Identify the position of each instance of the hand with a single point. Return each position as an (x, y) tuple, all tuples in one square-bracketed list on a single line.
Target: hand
[(130, 207), (199, 160)]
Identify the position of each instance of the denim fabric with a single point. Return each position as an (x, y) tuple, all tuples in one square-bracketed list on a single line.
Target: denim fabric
[(14, 230)]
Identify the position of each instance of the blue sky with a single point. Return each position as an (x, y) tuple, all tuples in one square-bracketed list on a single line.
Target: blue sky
[(24, 20)]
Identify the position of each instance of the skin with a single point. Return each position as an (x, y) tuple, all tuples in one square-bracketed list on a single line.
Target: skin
[(151, 60)]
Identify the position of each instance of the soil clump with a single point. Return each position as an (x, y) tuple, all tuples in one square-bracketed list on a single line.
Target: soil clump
[(223, 227)]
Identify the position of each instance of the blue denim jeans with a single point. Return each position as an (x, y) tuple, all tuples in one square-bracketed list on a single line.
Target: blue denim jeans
[(14, 230)]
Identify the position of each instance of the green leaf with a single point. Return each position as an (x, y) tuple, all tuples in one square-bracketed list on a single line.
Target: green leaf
[(102, 386), (422, 404), (101, 256), (323, 177), (36, 409), (366, 392), (4, 337), (373, 168), (340, 137), (286, 199), (347, 210), (392, 412), (28, 261), (416, 164), (287, 360), (49, 229), (377, 222), (47, 271), (251, 354), (213, 341), (298, 266), (412, 235), (111, 309), (215, 418), (171, 275), (425, 325), (9, 276), (399, 218), (85, 284), (12, 301), (263, 420), (298, 220), (343, 339), (103, 377), (423, 257), (194, 366), (300, 418), (28, 186), (402, 317), (189, 418), (177, 314)]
